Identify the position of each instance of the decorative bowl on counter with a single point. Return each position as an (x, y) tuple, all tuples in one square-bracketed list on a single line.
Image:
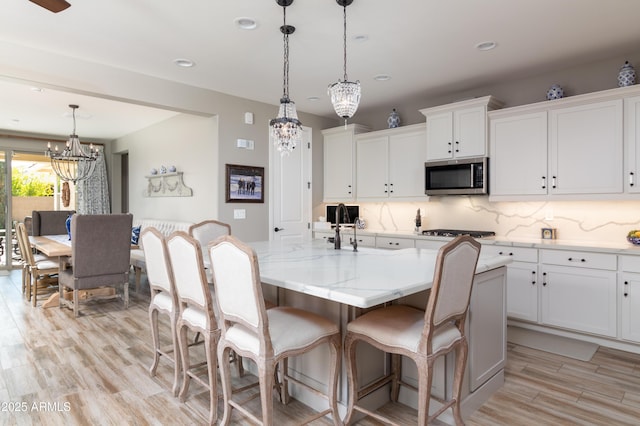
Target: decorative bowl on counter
[(634, 237)]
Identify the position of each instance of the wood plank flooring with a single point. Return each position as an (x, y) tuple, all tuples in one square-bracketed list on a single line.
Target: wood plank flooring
[(57, 370)]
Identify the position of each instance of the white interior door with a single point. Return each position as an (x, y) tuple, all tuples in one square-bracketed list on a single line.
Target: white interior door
[(290, 192)]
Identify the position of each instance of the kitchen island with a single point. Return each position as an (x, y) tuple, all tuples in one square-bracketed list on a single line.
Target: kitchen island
[(339, 284)]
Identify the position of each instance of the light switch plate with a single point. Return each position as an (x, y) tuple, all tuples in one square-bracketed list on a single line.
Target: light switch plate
[(239, 213), (248, 118)]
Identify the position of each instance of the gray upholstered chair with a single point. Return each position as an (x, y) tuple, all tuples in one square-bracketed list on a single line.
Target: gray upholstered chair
[(50, 222), (100, 246), (420, 335)]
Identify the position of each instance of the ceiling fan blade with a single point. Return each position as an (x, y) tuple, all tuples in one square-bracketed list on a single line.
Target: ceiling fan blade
[(54, 6)]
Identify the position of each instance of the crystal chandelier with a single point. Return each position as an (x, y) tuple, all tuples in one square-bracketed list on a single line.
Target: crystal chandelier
[(345, 95), (286, 129), (74, 163)]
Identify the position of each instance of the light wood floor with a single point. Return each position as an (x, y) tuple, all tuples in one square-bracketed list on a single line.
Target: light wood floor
[(93, 371)]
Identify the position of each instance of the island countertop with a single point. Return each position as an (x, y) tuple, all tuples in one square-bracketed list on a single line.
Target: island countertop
[(363, 279)]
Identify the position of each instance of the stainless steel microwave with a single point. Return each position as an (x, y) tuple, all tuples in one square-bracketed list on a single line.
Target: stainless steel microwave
[(466, 176)]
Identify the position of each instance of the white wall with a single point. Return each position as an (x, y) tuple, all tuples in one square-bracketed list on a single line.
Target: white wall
[(188, 142)]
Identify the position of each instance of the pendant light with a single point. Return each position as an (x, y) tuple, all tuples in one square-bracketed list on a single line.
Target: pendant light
[(286, 129), (74, 163), (345, 95)]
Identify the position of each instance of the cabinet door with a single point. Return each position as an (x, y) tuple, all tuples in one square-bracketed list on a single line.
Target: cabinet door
[(585, 145), (470, 132), (338, 167), (580, 299), (372, 158), (518, 148), (440, 136), (407, 154), (632, 144), (522, 291), (630, 306)]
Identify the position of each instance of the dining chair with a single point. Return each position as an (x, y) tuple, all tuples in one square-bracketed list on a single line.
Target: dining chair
[(265, 336), (420, 335), (38, 271), (100, 245), (164, 300), (196, 315), (206, 231), (49, 222)]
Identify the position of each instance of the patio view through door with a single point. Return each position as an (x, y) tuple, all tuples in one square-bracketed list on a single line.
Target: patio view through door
[(29, 184)]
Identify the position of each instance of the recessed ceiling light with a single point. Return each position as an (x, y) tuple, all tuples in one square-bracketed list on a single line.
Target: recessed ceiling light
[(313, 98), (382, 77), (246, 23), (14, 122), (361, 38), (184, 63), (486, 45), (36, 89)]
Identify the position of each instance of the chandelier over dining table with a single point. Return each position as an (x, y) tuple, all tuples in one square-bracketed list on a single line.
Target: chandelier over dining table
[(75, 162)]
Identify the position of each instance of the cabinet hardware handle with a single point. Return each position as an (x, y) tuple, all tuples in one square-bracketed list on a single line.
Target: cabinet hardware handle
[(553, 182), (544, 182), (631, 178), (385, 188), (544, 279), (391, 188), (457, 145), (349, 186), (533, 277), (571, 259), (626, 288)]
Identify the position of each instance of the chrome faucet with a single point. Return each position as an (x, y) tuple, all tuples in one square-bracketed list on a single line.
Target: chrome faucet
[(336, 239), (354, 242)]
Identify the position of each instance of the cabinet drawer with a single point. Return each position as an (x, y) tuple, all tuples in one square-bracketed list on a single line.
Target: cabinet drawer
[(363, 240), (394, 243), (518, 254), (579, 259), (629, 263)]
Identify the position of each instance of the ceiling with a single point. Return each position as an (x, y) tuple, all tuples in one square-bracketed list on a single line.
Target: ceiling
[(427, 47)]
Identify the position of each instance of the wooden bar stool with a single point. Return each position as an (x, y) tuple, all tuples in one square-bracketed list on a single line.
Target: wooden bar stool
[(420, 335)]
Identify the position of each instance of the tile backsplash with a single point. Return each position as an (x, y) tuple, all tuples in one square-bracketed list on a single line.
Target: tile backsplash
[(606, 221)]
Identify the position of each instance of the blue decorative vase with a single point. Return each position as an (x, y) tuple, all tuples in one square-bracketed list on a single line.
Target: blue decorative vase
[(67, 223), (627, 75), (555, 92), (394, 119)]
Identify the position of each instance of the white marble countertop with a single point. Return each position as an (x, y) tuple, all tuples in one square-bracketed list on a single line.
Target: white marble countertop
[(364, 278), (621, 247)]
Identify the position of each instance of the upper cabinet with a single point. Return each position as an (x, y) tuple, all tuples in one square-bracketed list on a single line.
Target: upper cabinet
[(632, 144), (571, 148), (390, 163), (458, 130), (339, 162)]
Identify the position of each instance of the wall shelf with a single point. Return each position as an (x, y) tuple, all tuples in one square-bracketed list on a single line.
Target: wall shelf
[(167, 185)]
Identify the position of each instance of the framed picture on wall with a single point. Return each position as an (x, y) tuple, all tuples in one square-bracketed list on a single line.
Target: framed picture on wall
[(244, 184)]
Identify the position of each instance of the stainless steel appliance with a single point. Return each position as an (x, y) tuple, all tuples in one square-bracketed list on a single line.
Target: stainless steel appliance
[(346, 220), (456, 232), (468, 176)]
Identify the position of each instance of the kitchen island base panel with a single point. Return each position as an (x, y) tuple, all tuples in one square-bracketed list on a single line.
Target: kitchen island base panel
[(486, 323)]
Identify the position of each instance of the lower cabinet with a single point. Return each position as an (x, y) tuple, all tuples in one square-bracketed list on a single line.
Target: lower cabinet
[(629, 297), (578, 298)]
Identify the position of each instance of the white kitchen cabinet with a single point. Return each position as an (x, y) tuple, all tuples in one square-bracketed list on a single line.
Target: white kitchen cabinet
[(580, 297), (522, 280), (458, 130), (632, 144), (629, 297), (518, 154), (339, 162), (390, 163), (585, 148)]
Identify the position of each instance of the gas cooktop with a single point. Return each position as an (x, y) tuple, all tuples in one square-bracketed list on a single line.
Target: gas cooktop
[(456, 232)]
